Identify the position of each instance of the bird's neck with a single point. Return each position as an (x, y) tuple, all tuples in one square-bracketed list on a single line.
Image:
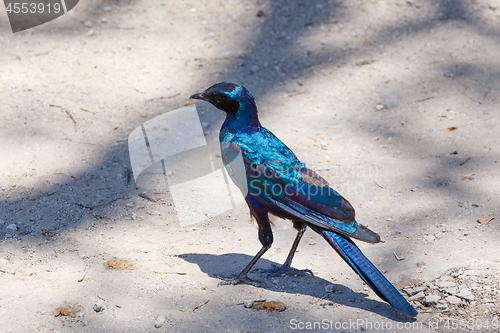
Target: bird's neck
[(245, 120)]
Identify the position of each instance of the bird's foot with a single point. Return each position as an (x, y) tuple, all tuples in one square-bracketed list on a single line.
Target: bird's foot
[(283, 270), (239, 279)]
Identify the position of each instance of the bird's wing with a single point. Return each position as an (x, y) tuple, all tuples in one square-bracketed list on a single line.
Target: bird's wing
[(282, 182), (312, 178)]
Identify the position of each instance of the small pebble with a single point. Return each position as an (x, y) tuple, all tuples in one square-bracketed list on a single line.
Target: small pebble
[(429, 238), (11, 227), (416, 297), (410, 291), (442, 306), (417, 304), (465, 293), (432, 299), (160, 321), (446, 284), (248, 304), (452, 290), (98, 306), (453, 300)]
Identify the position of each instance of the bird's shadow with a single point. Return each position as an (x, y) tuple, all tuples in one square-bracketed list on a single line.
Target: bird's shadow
[(233, 263)]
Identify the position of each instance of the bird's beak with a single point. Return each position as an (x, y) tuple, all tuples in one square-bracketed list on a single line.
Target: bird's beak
[(198, 96)]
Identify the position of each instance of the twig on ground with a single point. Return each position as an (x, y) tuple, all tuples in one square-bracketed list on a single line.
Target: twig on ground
[(84, 273), (2, 271), (485, 95), (397, 257), (467, 160), (67, 112), (147, 197), (87, 110), (424, 99), (201, 304)]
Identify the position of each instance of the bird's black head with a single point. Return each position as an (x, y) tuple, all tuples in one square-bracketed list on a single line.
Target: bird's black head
[(228, 97)]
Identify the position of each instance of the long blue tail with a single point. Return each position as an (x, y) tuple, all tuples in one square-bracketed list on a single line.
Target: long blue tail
[(368, 272)]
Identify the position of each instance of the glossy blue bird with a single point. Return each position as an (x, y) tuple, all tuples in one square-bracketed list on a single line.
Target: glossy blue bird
[(274, 181)]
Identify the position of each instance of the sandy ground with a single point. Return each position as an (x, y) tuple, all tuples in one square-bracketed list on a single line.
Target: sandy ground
[(393, 102)]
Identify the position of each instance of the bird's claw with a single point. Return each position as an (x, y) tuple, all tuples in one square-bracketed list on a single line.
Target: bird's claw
[(239, 279), (283, 270)]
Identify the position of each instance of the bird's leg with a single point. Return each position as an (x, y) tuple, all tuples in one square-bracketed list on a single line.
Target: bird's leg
[(286, 268), (266, 239), (242, 277), (300, 233)]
